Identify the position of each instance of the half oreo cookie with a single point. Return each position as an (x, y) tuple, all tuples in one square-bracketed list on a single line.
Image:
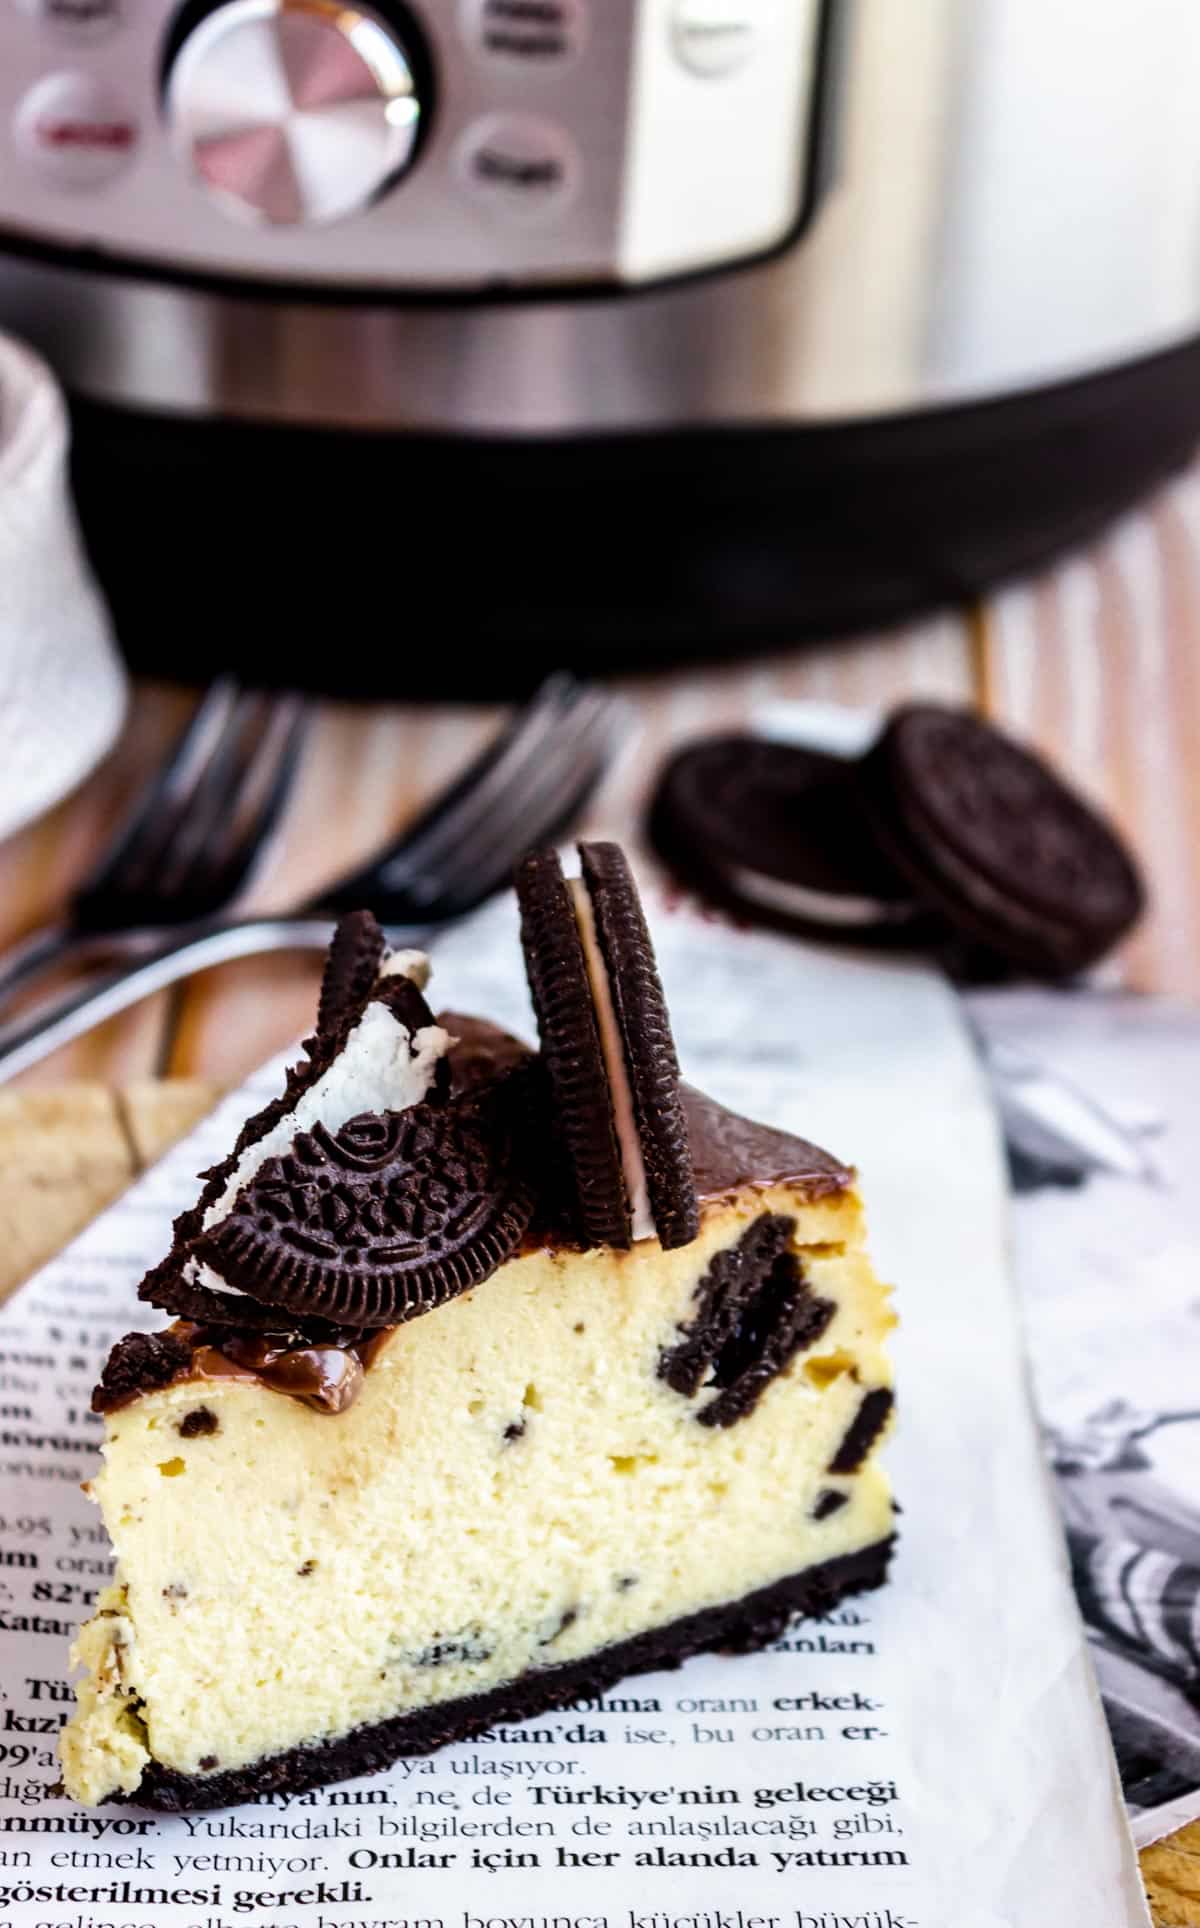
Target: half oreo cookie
[(607, 1049), (379, 1050), (387, 1217), (776, 833), (986, 831)]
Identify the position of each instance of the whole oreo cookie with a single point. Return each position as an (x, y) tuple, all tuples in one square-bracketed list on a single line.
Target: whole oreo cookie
[(571, 1050), (985, 831), (580, 942), (776, 833), (388, 1217), (651, 1065)]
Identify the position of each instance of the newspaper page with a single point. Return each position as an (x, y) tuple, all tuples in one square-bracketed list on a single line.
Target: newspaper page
[(1107, 1225), (933, 1755)]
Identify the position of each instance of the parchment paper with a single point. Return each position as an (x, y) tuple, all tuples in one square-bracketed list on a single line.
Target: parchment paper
[(933, 1756)]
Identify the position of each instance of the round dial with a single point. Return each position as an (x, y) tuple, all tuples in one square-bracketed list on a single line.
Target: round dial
[(293, 111)]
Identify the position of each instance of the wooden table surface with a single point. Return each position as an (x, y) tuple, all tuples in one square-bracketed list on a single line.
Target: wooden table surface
[(1098, 661)]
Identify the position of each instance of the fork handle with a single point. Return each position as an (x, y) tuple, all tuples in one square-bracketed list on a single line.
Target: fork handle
[(26, 1041)]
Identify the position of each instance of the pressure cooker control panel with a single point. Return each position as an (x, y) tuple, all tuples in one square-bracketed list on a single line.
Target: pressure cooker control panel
[(453, 145)]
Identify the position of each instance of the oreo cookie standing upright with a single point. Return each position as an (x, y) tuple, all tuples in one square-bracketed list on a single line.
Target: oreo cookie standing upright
[(989, 834), (607, 1049)]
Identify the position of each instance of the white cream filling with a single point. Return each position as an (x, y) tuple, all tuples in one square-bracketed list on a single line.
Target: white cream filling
[(630, 1145), (412, 964), (383, 1066), (823, 907)]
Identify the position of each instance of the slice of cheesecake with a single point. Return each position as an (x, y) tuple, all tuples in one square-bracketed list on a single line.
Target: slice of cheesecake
[(338, 1543)]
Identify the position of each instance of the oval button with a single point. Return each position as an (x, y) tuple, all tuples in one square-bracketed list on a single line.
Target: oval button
[(519, 164), (527, 33), (75, 131), (714, 37)]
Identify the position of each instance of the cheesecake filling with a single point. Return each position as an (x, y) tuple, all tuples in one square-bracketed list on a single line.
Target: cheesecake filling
[(629, 1143), (526, 1429)]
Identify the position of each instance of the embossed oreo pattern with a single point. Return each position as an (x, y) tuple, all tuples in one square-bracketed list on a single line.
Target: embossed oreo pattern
[(166, 1285), (991, 836), (388, 1217)]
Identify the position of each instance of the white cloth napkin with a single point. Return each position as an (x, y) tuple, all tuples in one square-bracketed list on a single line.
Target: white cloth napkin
[(62, 685)]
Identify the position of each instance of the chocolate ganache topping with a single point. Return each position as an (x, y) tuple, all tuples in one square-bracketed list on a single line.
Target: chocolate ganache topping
[(728, 1151)]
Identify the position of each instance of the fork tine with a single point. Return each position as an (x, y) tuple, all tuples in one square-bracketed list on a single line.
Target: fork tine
[(472, 816), (247, 813), (160, 798), (473, 795), (540, 808), (466, 838), (558, 805), (390, 871)]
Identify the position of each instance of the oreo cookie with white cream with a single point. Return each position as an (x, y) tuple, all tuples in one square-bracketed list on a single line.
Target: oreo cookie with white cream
[(607, 1049)]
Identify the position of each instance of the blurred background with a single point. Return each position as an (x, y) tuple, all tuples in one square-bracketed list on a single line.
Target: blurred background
[(733, 353)]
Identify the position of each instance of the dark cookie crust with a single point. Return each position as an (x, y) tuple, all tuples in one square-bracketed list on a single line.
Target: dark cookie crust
[(987, 833), (650, 1060), (351, 968), (740, 1628), (755, 1311), (571, 1052)]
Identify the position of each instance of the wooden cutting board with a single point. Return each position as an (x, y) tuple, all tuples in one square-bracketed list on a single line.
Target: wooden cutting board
[(66, 1152)]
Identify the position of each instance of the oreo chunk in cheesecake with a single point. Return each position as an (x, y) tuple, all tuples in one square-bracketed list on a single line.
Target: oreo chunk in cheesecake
[(607, 1049), (703, 1416), (367, 1190)]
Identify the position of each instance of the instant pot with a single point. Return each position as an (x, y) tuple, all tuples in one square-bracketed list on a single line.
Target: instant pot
[(434, 341)]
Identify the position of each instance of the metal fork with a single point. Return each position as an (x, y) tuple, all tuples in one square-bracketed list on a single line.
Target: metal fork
[(525, 788), (194, 834)]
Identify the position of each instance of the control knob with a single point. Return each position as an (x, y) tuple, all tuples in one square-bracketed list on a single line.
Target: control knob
[(294, 112)]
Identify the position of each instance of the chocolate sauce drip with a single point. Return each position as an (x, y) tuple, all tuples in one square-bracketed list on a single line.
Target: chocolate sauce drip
[(328, 1378), (326, 1374)]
